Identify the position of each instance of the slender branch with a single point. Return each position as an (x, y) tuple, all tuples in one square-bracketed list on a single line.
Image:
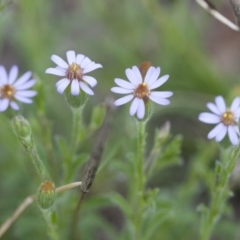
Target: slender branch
[(236, 9), (213, 12), (27, 202)]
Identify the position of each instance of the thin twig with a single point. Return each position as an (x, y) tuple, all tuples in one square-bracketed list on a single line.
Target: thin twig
[(27, 202), (213, 12)]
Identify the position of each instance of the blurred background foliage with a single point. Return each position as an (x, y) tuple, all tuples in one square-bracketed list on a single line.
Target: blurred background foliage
[(202, 58)]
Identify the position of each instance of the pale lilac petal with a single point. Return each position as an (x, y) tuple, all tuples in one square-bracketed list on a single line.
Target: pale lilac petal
[(161, 94), (235, 104), (158, 100), (149, 74), (141, 109), (209, 118), (237, 114), (132, 78), (121, 90), (62, 85), (4, 104), (86, 88), (134, 106), (92, 67), (56, 71), (26, 85), (123, 100), (154, 76), (236, 128), (86, 61), (28, 93), (25, 77), (220, 104), (159, 82), (14, 105), (215, 131), (212, 107), (59, 61), (234, 138), (23, 99), (137, 74), (75, 89), (3, 76), (221, 134), (80, 58), (13, 74), (90, 80), (71, 57), (124, 84)]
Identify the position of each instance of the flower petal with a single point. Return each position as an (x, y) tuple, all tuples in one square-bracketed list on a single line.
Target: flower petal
[(86, 88), (121, 90), (13, 74), (149, 74), (56, 71), (123, 100), (25, 77), (215, 131), (90, 80), (59, 61), (80, 58), (137, 73), (4, 104), (23, 99), (124, 84), (212, 107), (220, 104), (71, 57), (92, 67), (235, 104), (3, 76), (28, 93), (132, 78), (154, 76), (75, 89), (26, 85), (158, 100), (161, 94), (159, 82), (62, 85), (234, 138), (209, 118), (141, 109), (14, 105), (86, 61), (134, 106), (221, 134)]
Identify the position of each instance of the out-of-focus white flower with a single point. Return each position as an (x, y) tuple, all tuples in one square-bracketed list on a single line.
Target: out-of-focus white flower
[(226, 119), (12, 89), (74, 73), (139, 89)]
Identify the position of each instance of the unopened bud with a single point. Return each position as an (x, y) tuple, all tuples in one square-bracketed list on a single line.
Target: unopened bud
[(21, 127), (75, 101), (46, 195)]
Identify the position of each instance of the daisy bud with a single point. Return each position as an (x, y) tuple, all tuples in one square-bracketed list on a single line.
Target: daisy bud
[(21, 127), (75, 101), (46, 195)]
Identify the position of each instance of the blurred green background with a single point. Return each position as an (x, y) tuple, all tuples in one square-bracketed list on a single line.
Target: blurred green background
[(200, 55)]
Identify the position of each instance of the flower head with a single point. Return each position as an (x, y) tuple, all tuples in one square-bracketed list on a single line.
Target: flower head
[(74, 73), (226, 119), (139, 89), (12, 89)]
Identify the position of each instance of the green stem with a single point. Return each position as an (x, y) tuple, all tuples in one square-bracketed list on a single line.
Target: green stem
[(219, 196), (52, 230)]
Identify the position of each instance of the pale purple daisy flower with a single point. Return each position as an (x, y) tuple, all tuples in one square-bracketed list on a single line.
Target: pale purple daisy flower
[(74, 73), (12, 89), (139, 89), (226, 119)]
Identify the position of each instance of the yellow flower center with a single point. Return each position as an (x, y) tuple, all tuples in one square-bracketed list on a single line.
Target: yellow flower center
[(7, 91), (74, 72), (228, 118), (142, 91)]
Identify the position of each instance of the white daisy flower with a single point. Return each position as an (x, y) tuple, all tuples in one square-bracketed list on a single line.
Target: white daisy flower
[(12, 89), (74, 73), (139, 89), (226, 119)]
